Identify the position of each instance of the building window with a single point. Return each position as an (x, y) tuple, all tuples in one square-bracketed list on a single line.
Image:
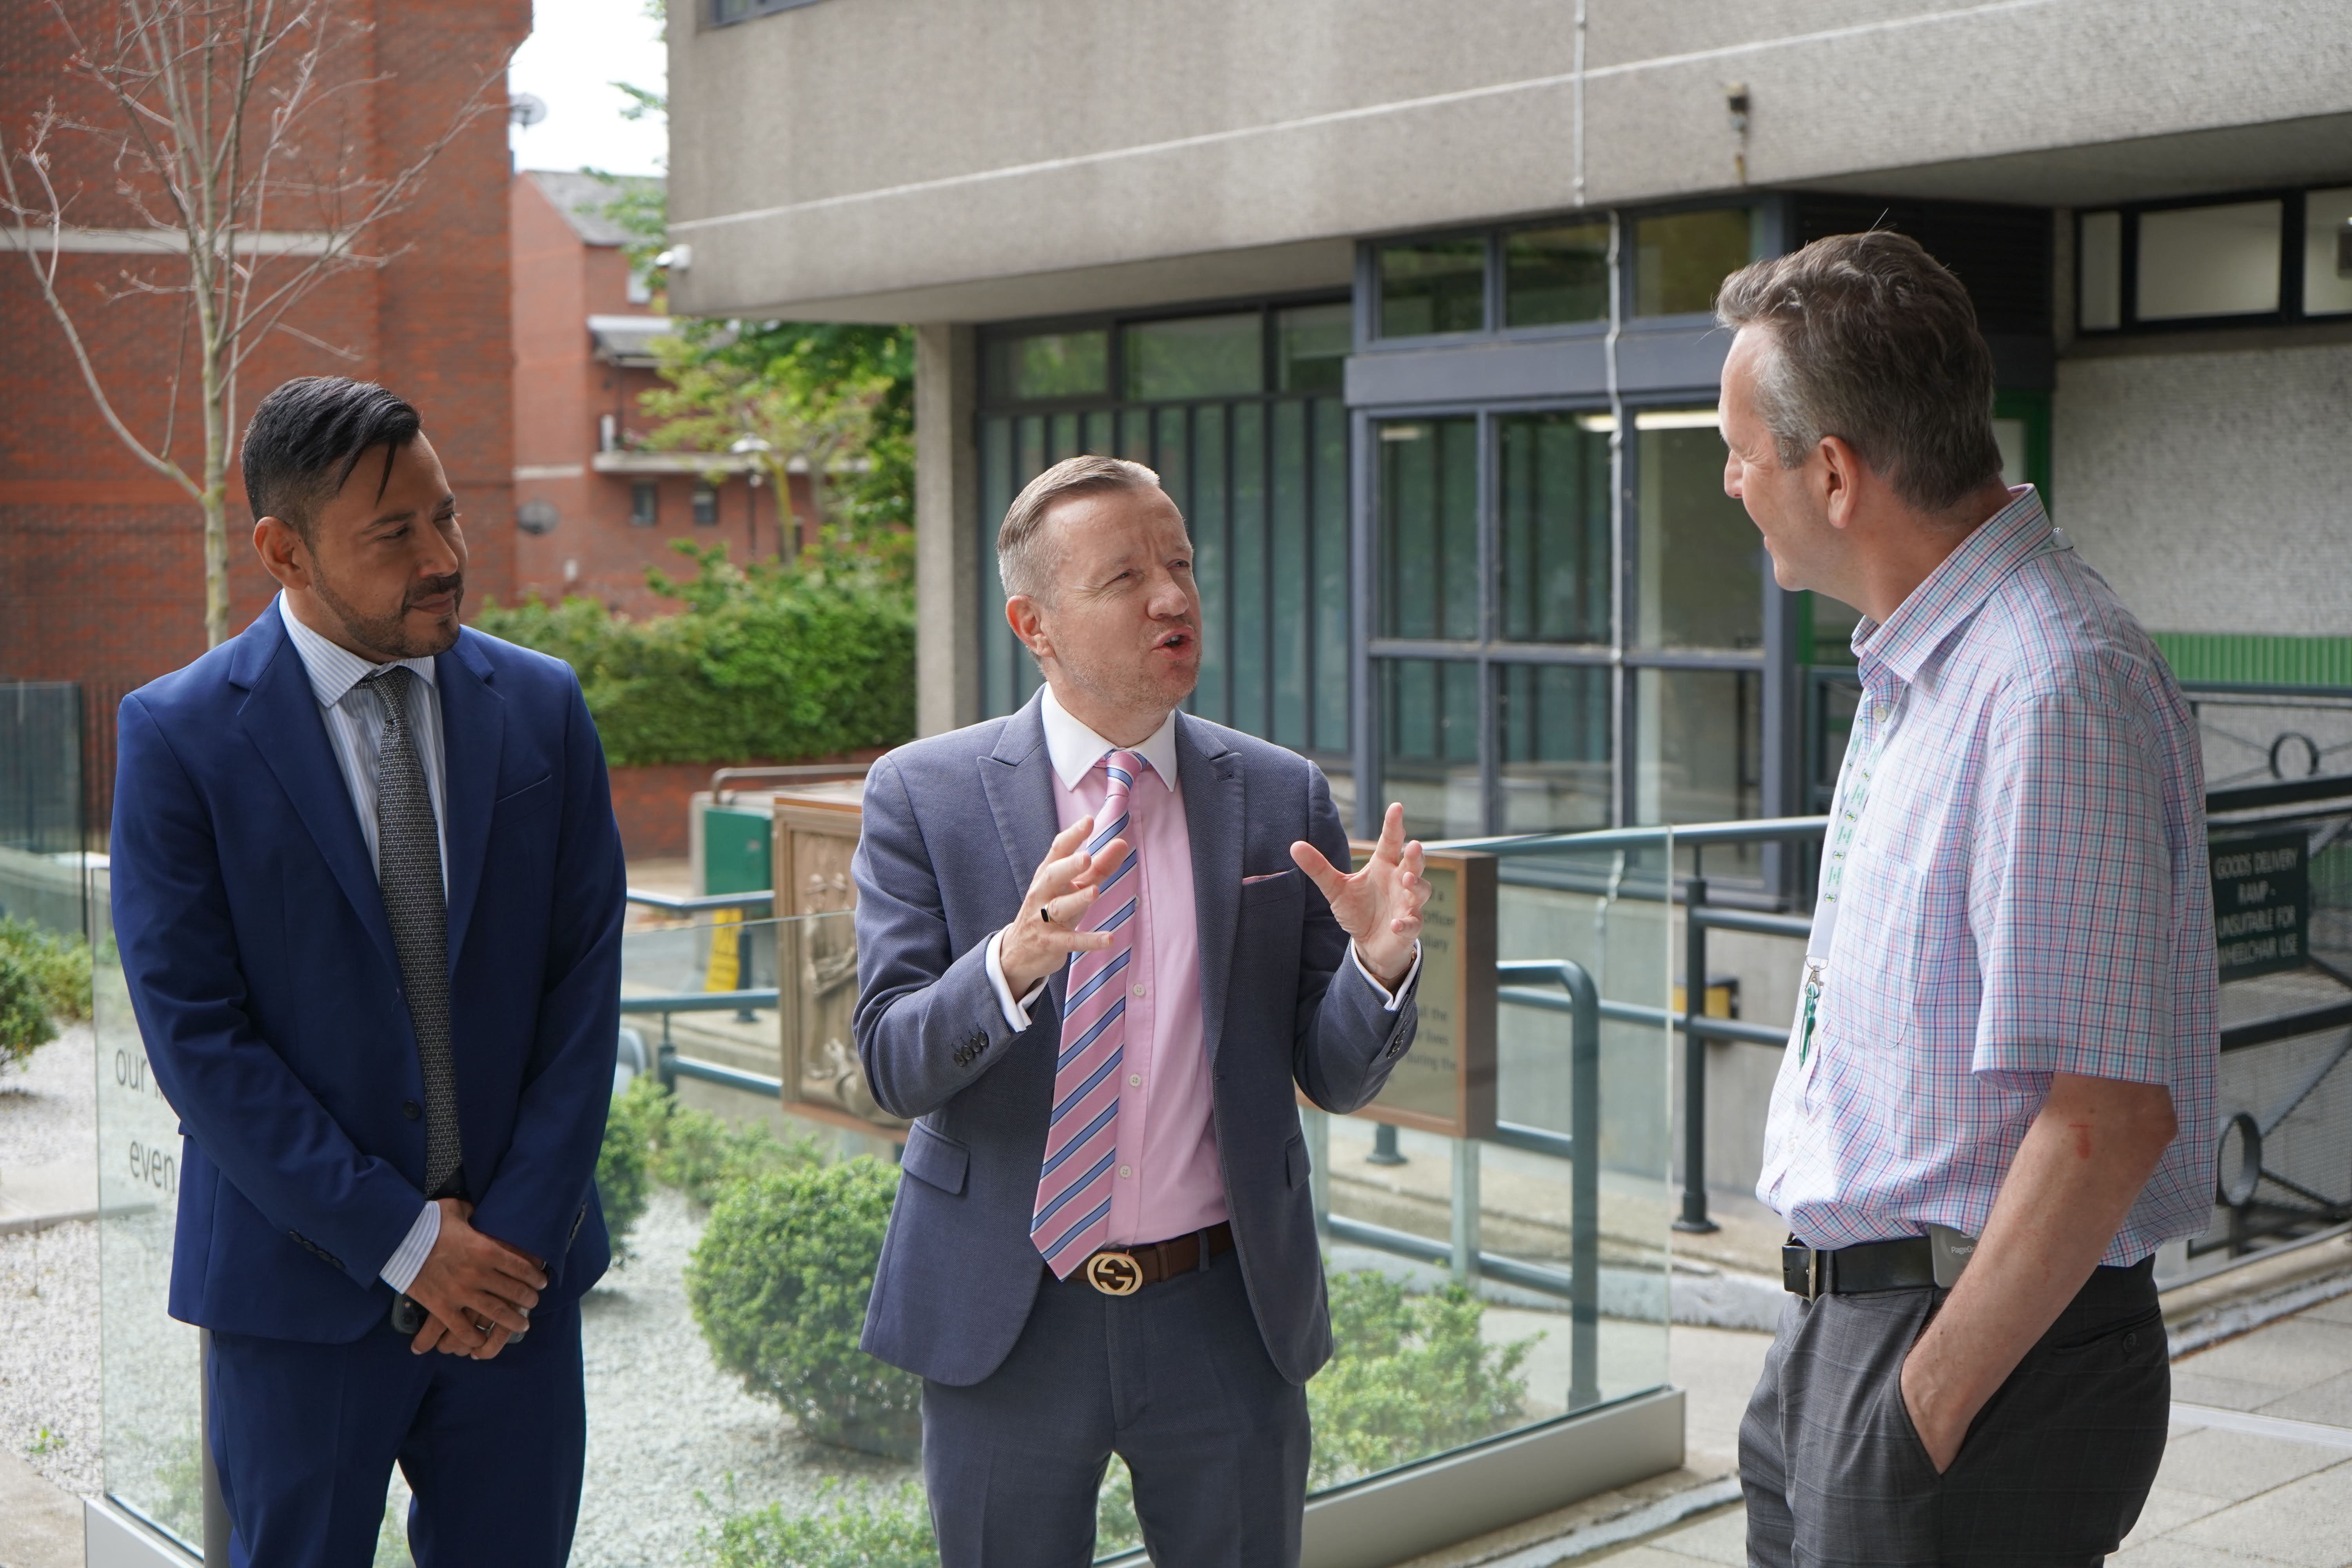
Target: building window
[(645, 504), (1430, 286), (2268, 258), (1238, 413), (1048, 367), (1680, 259), (2328, 252), (1556, 275), (706, 504), (725, 12)]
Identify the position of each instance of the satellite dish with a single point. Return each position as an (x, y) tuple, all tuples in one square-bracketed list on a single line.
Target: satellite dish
[(526, 108)]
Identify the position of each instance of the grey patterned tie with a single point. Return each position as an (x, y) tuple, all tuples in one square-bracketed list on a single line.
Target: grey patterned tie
[(408, 870)]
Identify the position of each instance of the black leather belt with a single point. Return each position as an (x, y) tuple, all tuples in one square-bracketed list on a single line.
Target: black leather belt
[(1902, 1264)]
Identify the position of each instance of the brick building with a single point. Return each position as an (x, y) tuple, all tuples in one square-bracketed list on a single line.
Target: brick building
[(595, 506), (102, 568)]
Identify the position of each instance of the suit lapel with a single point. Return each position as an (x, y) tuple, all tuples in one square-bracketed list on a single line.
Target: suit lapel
[(1214, 807), (1018, 779), (473, 736), (280, 716)]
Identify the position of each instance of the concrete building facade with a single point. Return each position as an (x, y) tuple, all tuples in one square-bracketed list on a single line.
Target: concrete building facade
[(1251, 244)]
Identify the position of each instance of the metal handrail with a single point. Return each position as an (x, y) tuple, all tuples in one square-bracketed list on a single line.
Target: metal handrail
[(695, 904), (788, 772)]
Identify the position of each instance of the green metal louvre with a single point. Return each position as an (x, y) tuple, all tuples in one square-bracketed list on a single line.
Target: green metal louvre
[(2246, 659)]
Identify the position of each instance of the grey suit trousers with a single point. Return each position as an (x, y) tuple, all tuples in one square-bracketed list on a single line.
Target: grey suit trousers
[(1176, 1380), (2053, 1470)]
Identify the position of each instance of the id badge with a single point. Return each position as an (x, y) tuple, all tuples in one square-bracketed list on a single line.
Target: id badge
[(1950, 1251)]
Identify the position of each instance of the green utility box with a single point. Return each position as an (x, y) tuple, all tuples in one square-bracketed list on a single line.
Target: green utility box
[(737, 853)]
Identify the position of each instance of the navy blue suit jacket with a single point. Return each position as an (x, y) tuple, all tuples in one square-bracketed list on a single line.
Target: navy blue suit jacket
[(262, 972), (954, 828)]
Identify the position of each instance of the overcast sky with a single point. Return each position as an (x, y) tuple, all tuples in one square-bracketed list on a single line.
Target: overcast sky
[(576, 51)]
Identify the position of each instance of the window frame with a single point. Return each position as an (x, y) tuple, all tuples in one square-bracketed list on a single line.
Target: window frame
[(2292, 200), (1114, 404), (1768, 215), (753, 11), (1491, 651)]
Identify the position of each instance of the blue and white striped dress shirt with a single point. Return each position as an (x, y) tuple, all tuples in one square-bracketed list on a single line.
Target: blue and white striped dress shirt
[(355, 721)]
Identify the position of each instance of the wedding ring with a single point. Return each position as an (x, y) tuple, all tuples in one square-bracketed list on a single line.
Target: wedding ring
[(1045, 914)]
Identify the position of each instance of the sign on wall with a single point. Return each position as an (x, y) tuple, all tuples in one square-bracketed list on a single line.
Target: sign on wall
[(2262, 900), (1445, 1083)]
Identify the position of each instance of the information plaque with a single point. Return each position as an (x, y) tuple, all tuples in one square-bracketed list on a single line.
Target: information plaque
[(1446, 1082), (2262, 900)]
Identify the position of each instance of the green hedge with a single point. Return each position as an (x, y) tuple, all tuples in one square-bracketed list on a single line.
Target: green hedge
[(44, 981), (771, 662)]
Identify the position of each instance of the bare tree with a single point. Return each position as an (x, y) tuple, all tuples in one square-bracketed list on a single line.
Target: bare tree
[(229, 132)]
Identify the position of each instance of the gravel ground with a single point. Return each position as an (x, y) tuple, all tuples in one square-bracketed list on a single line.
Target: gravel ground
[(49, 1279), (666, 1429), (48, 1109)]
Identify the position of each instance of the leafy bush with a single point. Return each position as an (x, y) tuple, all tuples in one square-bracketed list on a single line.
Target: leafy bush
[(779, 1284), (621, 1170), (25, 1023), (854, 1526), (1410, 1377), (59, 966), (765, 661), (700, 1155)]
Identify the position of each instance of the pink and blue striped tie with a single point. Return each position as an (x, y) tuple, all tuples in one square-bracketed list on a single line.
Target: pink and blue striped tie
[(1073, 1214)]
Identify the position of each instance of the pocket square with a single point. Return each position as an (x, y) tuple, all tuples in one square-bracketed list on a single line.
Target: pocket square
[(1263, 877)]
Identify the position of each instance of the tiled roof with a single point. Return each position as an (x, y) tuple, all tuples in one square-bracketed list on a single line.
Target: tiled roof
[(581, 198)]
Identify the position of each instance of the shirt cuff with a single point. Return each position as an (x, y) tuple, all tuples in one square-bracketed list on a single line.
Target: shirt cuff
[(400, 1269), (1015, 1013), (1391, 1001)]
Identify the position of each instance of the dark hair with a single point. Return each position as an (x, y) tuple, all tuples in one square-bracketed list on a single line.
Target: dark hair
[(1875, 342), (1020, 565), (307, 436)]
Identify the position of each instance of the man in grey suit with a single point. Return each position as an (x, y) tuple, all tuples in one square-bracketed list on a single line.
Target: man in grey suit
[(1103, 1242)]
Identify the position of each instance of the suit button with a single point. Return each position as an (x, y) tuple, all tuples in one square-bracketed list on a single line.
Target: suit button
[(411, 1110)]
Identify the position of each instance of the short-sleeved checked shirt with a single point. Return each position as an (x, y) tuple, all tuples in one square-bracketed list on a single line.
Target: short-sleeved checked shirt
[(2025, 894)]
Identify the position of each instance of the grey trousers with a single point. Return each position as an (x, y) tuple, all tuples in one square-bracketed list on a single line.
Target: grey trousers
[(2053, 1470), (1174, 1379)]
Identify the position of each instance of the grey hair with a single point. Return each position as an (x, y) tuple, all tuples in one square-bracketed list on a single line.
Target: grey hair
[(1873, 342), (1023, 563)]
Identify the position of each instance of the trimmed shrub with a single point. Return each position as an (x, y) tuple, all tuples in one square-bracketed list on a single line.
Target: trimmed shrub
[(25, 1023), (700, 1155), (765, 662), (779, 1284), (621, 1173), (853, 1526), (1411, 1376), (59, 966)]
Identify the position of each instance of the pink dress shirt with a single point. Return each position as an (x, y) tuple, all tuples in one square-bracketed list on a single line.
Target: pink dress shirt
[(1167, 1182)]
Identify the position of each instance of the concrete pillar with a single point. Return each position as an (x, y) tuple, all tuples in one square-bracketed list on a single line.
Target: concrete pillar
[(947, 530)]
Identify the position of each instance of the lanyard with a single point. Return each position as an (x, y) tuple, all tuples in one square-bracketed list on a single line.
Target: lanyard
[(1852, 798)]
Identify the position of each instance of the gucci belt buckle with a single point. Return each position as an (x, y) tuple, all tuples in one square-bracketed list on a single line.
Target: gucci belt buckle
[(1114, 1273)]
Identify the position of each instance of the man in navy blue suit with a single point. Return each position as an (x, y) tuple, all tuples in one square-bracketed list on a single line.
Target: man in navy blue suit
[(368, 892)]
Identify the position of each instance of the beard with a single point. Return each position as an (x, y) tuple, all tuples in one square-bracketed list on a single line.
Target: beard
[(1126, 687), (388, 637)]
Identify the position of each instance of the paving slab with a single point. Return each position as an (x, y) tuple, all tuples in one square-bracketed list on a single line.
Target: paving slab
[(2337, 1311), (2169, 1507), (2307, 1522), (2232, 1467), (2192, 1387), (1721, 1538), (2293, 1354), (2172, 1552), (40, 1524), (2330, 1402)]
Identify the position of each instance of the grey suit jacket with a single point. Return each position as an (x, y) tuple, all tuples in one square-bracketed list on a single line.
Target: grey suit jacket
[(954, 828)]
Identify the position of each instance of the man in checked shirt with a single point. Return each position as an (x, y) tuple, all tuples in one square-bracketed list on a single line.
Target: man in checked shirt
[(2004, 1049)]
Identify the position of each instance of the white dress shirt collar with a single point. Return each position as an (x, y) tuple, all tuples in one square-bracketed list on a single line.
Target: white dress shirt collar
[(333, 668), (1075, 748)]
